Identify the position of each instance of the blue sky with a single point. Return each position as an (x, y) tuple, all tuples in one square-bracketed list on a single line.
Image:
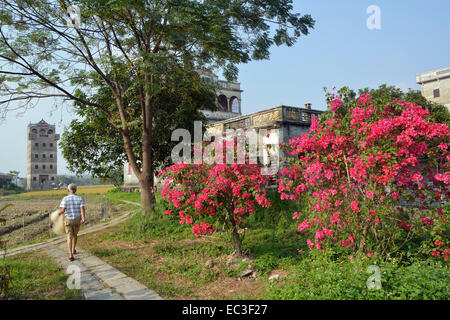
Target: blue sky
[(341, 50)]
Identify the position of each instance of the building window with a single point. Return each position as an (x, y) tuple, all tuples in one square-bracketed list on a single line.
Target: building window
[(43, 145), (53, 178), (51, 156), (51, 166), (223, 103), (304, 116), (51, 145), (36, 156), (234, 104), (43, 156), (34, 178), (50, 131), (36, 144), (436, 93), (34, 131), (36, 166), (42, 131), (43, 166)]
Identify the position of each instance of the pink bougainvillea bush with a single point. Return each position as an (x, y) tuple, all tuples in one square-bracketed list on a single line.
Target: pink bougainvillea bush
[(374, 178), (226, 192)]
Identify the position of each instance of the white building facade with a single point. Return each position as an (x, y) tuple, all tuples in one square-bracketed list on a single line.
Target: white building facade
[(436, 86)]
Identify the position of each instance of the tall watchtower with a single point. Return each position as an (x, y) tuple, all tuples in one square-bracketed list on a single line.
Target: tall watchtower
[(41, 156)]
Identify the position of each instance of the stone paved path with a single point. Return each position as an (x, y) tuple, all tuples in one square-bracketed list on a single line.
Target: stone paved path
[(99, 280)]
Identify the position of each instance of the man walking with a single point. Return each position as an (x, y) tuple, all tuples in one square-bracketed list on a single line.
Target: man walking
[(73, 206)]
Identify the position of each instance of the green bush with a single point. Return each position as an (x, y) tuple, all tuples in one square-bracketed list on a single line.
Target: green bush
[(278, 215), (321, 277), (265, 263)]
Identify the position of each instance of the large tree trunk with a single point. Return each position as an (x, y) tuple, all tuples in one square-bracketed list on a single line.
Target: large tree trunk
[(147, 175), (237, 242), (235, 236), (147, 194)]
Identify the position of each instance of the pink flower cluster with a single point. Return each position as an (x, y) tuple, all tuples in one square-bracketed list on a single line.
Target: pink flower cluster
[(202, 228), (354, 170), (226, 191)]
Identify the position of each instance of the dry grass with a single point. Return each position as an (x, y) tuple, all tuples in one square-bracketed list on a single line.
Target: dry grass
[(63, 191)]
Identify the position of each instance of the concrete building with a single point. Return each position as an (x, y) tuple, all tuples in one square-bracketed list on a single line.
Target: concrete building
[(436, 86), (42, 156), (290, 121), (282, 123)]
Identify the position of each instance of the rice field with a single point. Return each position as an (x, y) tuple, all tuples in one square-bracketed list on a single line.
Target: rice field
[(98, 189)]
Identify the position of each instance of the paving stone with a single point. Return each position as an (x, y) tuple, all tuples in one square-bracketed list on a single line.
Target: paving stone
[(126, 281), (107, 273), (104, 294), (132, 289), (92, 261), (90, 283), (141, 295)]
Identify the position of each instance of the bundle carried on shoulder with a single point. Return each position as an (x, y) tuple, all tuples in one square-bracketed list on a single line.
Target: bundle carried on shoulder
[(58, 222)]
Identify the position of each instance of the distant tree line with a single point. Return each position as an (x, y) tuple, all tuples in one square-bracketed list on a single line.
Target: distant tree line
[(78, 180)]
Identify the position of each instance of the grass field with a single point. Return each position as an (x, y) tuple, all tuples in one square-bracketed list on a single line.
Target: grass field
[(36, 276)]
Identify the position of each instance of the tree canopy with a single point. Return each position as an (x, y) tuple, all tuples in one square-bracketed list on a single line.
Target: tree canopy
[(133, 49)]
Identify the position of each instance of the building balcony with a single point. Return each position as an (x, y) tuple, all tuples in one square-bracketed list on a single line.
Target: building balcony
[(227, 85), (433, 75)]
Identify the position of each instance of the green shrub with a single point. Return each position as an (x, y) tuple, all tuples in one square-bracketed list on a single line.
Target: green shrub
[(321, 277)]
